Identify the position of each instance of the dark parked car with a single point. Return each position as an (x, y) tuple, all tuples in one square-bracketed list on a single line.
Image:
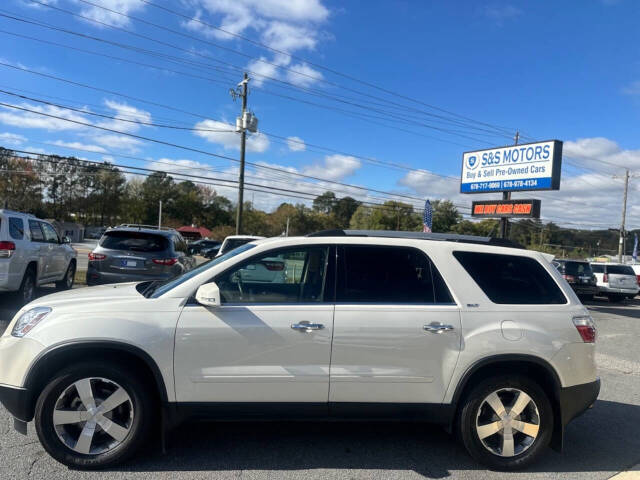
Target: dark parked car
[(579, 276), (211, 252), (197, 247), (130, 253)]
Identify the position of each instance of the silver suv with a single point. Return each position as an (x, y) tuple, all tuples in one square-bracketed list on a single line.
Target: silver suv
[(130, 253), (485, 339), (32, 254)]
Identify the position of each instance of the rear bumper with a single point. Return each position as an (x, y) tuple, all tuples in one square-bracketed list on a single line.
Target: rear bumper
[(621, 291), (584, 289), (95, 277), (577, 399)]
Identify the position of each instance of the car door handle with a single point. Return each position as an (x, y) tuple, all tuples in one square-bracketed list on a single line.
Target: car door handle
[(307, 327), (437, 328)]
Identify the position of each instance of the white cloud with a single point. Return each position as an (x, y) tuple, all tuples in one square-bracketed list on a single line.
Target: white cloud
[(124, 111), (22, 119), (632, 89), (501, 13), (334, 167), (296, 144), (12, 139), (224, 134), (601, 154), (80, 146), (286, 25), (303, 75), (121, 142), (124, 6)]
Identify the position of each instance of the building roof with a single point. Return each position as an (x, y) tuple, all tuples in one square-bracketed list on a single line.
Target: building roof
[(204, 232)]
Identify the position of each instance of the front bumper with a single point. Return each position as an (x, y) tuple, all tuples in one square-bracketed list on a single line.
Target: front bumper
[(577, 399), (17, 401)]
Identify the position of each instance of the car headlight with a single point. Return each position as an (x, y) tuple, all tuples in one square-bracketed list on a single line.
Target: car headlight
[(28, 320)]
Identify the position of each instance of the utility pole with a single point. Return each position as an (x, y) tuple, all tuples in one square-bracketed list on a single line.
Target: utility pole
[(624, 214), (243, 141), (160, 215), (504, 221)]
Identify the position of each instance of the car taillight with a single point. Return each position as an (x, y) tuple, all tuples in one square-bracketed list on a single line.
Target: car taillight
[(96, 256), (165, 261), (605, 278), (274, 266), (569, 278), (7, 249), (586, 328), (638, 279)]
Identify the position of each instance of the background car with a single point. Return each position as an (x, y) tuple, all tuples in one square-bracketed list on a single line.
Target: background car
[(210, 252), (33, 254), (636, 270), (197, 247), (579, 276), (130, 253), (234, 241), (616, 280)]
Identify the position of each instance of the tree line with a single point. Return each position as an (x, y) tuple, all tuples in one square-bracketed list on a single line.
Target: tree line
[(71, 189)]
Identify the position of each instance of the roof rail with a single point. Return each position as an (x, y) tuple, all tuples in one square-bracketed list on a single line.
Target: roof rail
[(140, 226), (8, 210), (442, 237)]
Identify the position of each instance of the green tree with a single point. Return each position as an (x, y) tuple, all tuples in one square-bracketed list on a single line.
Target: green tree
[(344, 210), (324, 203), (20, 185), (157, 187), (445, 216)]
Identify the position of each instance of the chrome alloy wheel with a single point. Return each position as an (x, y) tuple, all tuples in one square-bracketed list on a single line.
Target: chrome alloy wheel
[(507, 422), (93, 415)]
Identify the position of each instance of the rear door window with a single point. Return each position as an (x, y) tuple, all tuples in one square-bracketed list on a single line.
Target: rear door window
[(134, 241), (511, 279), (620, 270), (16, 228), (36, 231), (379, 274)]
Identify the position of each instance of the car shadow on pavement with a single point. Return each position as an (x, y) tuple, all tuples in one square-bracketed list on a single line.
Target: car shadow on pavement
[(630, 311), (604, 439)]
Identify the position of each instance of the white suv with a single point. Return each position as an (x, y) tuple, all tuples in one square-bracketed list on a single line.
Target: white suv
[(487, 340), (32, 254)]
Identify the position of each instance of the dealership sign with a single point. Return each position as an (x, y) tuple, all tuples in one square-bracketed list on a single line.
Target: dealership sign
[(506, 208), (532, 166)]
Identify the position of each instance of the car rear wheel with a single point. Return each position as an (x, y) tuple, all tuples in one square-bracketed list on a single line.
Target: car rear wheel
[(27, 291), (93, 415), (615, 297), (67, 282), (505, 422)]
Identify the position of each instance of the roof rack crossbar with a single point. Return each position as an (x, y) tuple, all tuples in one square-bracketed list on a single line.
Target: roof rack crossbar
[(443, 237), (141, 226)]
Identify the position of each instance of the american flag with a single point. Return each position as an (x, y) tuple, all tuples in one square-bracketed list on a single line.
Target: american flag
[(427, 220)]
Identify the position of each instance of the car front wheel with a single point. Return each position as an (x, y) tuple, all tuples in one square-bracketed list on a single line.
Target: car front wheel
[(506, 422), (67, 281), (93, 415)]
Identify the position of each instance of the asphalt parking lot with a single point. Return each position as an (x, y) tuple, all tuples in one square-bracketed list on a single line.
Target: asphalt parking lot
[(598, 445)]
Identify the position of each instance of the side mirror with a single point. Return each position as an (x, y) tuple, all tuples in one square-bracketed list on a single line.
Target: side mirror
[(208, 295), (66, 239)]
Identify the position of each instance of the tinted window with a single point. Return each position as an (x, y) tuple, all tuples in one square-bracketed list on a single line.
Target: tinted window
[(375, 274), (50, 234), (510, 279), (16, 228), (134, 241), (620, 270), (235, 243), (36, 231), (281, 276), (179, 245), (577, 268), (597, 268)]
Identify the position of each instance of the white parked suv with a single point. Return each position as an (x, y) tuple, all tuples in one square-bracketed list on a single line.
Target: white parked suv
[(32, 254), (615, 280), (485, 339)]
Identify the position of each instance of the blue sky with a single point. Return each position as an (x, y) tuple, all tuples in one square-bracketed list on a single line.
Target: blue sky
[(568, 70)]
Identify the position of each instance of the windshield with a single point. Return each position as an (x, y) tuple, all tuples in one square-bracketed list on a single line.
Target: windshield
[(134, 241), (155, 290), (234, 243), (577, 269)]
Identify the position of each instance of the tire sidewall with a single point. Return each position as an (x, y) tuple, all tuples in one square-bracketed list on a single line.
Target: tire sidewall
[(140, 399), (29, 276), (468, 415)]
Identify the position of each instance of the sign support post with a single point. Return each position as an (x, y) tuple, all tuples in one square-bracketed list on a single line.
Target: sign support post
[(504, 221)]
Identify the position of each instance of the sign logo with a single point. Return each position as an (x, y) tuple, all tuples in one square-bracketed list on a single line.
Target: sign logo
[(472, 162)]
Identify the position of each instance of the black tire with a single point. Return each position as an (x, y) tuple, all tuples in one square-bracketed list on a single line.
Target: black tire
[(140, 394), (470, 410), (615, 298), (67, 281), (27, 291)]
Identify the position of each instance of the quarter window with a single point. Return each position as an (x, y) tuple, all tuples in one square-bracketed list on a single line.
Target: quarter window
[(377, 274), (511, 279), (281, 276), (36, 231), (16, 228)]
